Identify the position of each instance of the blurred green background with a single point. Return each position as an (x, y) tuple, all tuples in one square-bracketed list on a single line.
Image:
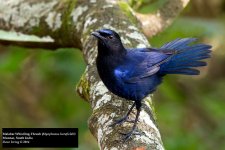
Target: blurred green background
[(37, 87)]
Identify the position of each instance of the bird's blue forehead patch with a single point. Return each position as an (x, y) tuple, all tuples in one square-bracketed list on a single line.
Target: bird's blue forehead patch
[(106, 31)]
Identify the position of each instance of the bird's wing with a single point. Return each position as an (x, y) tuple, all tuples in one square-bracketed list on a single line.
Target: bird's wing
[(143, 63)]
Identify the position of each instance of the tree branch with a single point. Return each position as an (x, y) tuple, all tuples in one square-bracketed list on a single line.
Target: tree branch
[(154, 23), (39, 18), (104, 14)]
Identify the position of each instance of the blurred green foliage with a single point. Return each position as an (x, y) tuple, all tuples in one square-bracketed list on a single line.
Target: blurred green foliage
[(37, 87)]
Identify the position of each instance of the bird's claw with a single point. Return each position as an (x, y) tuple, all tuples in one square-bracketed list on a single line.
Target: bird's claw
[(119, 121), (131, 121), (127, 135)]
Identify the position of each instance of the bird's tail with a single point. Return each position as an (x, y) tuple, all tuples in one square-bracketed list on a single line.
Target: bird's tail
[(187, 57)]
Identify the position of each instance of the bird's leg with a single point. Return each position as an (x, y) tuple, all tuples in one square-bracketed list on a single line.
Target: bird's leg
[(132, 131), (124, 118)]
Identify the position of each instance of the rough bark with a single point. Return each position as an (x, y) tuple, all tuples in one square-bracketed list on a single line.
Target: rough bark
[(48, 21), (68, 23)]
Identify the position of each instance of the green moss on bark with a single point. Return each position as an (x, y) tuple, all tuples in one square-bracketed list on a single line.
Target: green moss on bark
[(127, 10), (83, 88)]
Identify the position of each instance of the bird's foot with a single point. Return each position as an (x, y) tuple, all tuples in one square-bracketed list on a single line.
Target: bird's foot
[(119, 121), (122, 120), (131, 121), (127, 135)]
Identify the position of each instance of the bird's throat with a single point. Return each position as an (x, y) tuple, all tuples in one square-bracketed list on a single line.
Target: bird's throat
[(106, 50)]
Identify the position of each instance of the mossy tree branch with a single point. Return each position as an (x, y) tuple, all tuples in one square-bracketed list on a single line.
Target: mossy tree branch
[(68, 23), (48, 21)]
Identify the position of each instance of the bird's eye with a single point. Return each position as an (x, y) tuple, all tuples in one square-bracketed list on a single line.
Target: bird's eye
[(110, 37)]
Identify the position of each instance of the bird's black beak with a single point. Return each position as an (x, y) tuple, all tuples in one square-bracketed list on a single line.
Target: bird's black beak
[(97, 35)]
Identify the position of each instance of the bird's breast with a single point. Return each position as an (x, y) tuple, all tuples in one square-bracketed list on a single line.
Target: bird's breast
[(106, 69)]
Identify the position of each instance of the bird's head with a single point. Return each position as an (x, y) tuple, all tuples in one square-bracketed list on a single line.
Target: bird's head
[(108, 40)]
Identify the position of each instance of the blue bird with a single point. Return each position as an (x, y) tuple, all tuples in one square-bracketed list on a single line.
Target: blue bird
[(134, 73)]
